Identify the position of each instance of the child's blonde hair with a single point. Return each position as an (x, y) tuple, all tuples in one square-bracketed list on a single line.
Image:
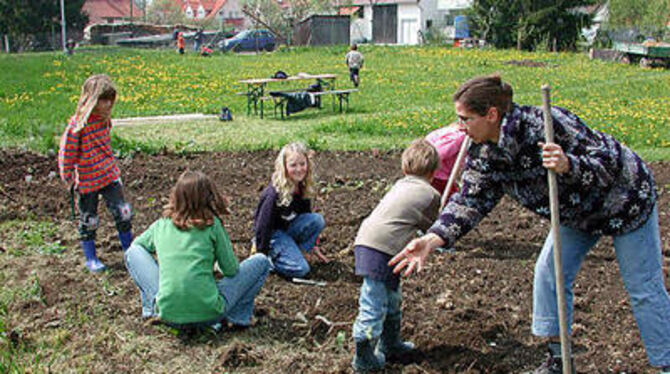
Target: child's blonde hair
[(280, 179), (195, 201), (420, 158), (96, 87)]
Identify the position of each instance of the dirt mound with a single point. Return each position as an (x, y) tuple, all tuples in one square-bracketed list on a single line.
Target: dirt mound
[(468, 311), (239, 354)]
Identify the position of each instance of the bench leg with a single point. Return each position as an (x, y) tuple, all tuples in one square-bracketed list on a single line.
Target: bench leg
[(343, 97)]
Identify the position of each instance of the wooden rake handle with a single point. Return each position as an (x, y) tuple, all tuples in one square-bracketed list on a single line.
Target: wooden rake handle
[(455, 170), (555, 231)]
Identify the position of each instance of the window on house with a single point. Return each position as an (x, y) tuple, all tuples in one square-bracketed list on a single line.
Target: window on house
[(429, 23), (360, 12)]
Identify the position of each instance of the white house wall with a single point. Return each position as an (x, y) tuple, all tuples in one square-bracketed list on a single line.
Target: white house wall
[(201, 12), (453, 4), (361, 28), (429, 11), (409, 24), (232, 9)]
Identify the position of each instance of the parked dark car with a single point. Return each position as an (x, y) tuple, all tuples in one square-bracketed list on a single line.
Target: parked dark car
[(249, 40)]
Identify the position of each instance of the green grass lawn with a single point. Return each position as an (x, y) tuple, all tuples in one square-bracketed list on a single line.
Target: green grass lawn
[(405, 92)]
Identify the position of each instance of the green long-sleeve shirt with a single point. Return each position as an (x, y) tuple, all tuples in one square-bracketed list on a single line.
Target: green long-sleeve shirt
[(187, 289)]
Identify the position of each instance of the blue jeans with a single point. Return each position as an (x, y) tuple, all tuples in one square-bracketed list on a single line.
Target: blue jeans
[(376, 303), (239, 291), (88, 210), (285, 246), (640, 263)]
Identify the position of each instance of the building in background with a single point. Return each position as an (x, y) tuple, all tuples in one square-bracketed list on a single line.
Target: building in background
[(452, 21), (322, 30), (112, 11), (600, 15), (392, 21), (226, 12)]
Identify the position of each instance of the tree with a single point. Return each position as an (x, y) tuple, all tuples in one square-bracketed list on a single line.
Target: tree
[(646, 15), (165, 12), (282, 19), (32, 23), (142, 4), (529, 24), (494, 21)]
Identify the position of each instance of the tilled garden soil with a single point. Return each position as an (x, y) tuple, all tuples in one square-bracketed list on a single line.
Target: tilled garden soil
[(468, 311)]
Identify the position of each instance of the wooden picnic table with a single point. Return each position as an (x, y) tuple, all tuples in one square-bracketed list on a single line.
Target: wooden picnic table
[(256, 87)]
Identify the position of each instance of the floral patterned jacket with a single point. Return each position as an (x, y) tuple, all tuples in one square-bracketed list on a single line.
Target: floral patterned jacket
[(608, 190)]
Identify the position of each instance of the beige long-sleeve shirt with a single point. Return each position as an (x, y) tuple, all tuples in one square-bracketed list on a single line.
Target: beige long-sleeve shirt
[(412, 204)]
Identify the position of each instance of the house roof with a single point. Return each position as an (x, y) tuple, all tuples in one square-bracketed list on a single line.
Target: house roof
[(218, 4), (101, 10), (347, 10), (211, 7), (208, 5), (383, 2)]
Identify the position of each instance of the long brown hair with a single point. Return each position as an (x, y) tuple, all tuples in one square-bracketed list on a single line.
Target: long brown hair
[(96, 87), (195, 201), (481, 93)]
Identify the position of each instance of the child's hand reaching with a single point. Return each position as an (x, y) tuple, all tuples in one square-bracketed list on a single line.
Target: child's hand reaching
[(320, 255), (316, 252)]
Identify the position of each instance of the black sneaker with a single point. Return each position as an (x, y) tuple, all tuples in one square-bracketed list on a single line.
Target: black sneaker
[(553, 364)]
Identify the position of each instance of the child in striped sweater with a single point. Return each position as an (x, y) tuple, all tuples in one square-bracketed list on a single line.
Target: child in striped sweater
[(86, 161)]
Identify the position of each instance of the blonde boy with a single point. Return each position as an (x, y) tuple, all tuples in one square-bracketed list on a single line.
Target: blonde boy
[(412, 204)]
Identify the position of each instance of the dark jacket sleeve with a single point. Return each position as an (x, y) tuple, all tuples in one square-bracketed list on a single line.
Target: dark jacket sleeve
[(466, 208), (263, 219)]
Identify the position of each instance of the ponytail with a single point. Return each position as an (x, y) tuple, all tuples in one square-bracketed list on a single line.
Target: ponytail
[(481, 93)]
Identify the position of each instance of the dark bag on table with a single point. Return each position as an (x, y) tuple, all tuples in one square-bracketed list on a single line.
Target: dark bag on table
[(280, 75), (316, 87)]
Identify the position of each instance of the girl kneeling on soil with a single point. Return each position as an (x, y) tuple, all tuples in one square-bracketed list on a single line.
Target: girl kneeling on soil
[(605, 189), (412, 204), (284, 225), (88, 166), (189, 238)]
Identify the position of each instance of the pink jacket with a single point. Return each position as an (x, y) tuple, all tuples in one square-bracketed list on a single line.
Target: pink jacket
[(447, 141)]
